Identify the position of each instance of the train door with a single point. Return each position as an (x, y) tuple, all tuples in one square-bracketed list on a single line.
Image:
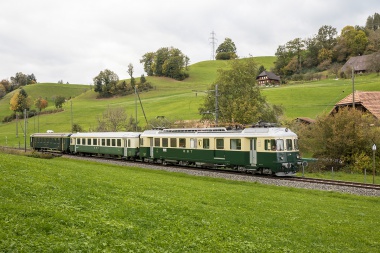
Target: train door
[(219, 151), (253, 152), (151, 146), (126, 142)]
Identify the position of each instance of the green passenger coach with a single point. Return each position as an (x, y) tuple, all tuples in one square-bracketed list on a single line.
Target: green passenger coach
[(113, 144), (56, 142)]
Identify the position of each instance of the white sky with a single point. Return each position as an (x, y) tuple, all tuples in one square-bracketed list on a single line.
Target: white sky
[(73, 40)]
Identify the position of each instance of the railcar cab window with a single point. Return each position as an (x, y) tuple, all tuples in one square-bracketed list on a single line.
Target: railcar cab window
[(206, 143), (235, 144), (219, 143), (296, 144), (173, 142), (182, 142), (274, 145), (165, 142), (289, 144)]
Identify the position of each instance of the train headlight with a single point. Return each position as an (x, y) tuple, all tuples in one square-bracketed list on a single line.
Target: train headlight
[(298, 156), (281, 157)]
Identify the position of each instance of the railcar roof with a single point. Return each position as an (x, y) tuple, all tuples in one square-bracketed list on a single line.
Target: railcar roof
[(51, 135), (274, 132), (107, 135)]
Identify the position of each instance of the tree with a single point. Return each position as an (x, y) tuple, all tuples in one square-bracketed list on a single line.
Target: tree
[(130, 72), (239, 98), (3, 91), (7, 85), (340, 138), (19, 79), (41, 103), (59, 101), (20, 101), (169, 62), (226, 50), (112, 120), (105, 83)]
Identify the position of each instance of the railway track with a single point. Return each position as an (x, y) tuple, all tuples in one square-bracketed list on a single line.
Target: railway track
[(334, 182)]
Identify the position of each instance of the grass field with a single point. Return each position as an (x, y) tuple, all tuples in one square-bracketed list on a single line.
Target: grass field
[(62, 205)]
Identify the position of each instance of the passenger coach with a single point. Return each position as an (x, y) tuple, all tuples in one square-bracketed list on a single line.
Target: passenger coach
[(115, 144)]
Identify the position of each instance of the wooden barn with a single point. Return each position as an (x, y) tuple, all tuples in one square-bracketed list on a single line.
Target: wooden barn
[(267, 77), (366, 101)]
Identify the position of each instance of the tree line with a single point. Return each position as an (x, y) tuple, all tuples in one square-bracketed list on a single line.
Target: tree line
[(326, 49), (19, 80)]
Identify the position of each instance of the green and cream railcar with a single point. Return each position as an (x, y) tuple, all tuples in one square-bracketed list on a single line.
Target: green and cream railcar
[(115, 144), (267, 150)]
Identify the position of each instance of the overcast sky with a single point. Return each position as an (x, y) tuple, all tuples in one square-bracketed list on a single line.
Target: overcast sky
[(73, 40)]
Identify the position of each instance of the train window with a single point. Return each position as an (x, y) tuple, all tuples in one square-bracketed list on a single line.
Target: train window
[(235, 144), (296, 144), (270, 144), (103, 142), (193, 143), (141, 142), (165, 142), (108, 142), (113, 141), (182, 142), (219, 143), (280, 144), (206, 143), (289, 144), (95, 142), (129, 143), (119, 142), (173, 142), (157, 142), (88, 141)]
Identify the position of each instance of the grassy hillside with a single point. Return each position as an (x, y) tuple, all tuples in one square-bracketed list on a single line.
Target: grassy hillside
[(65, 205), (174, 99)]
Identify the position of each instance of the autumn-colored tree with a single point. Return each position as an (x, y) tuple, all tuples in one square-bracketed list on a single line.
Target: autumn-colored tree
[(20, 101), (41, 103)]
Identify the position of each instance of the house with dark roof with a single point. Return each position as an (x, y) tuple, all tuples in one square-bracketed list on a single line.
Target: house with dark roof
[(361, 63), (366, 101), (267, 77)]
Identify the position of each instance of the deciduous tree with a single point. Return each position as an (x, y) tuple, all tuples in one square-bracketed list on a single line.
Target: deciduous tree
[(41, 103), (226, 50), (20, 101), (239, 98)]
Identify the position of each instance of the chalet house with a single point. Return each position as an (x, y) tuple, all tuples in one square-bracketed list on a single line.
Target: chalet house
[(361, 64), (366, 101), (267, 77)]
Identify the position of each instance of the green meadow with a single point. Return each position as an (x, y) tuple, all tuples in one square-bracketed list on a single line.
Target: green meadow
[(64, 205), (176, 100)]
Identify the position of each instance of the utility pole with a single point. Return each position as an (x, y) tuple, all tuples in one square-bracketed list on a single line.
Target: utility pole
[(353, 88), (136, 107), (216, 105), (25, 119), (213, 41)]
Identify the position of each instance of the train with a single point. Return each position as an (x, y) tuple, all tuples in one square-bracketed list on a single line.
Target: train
[(264, 150)]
